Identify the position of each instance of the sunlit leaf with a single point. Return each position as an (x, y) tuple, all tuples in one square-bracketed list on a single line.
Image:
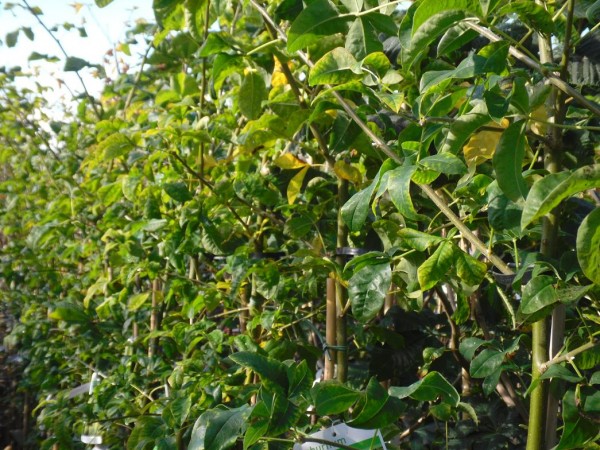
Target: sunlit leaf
[(347, 171), (335, 67), (434, 269), (289, 161), (548, 192), (320, 18)]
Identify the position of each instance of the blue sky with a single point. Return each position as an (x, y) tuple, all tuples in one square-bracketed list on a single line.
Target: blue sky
[(105, 28)]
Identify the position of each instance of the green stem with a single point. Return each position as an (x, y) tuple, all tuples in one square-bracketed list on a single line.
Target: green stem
[(537, 406)]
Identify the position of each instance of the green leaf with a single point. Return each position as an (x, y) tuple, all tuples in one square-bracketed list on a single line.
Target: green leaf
[(332, 397), (491, 381), (356, 209), (455, 38), (114, 146), (434, 269), (431, 19), (469, 410), (399, 189), (496, 54), (11, 38), (538, 294), (149, 431), (176, 411), (486, 363), (252, 93), (554, 371), (282, 413), (445, 163), (103, 3), (74, 64), (588, 246), (136, 301), (320, 18), (362, 39), (469, 269), (69, 312), (417, 239), (430, 388), (503, 213), (532, 14), (497, 105), (376, 409), (219, 428), (519, 97), (353, 6), (184, 84), (549, 194), (577, 430), (469, 346), (463, 127), (367, 289), (299, 379), (335, 67), (178, 191), (429, 8), (270, 370), (508, 161)]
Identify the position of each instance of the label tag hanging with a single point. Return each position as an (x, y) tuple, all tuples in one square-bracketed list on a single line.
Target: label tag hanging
[(343, 434)]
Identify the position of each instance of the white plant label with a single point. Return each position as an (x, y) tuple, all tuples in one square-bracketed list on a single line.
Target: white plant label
[(343, 434)]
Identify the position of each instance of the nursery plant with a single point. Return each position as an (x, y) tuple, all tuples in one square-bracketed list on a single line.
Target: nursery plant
[(290, 215)]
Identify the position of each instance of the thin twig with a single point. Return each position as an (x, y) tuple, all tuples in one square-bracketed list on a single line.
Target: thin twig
[(568, 356), (550, 76), (98, 112), (138, 77)]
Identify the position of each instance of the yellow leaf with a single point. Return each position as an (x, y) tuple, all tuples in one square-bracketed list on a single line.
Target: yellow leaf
[(347, 171), (296, 185), (541, 114), (482, 144), (289, 161), (278, 78), (481, 147)]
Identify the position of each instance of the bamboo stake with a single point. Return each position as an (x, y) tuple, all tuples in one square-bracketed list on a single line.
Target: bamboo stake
[(154, 319), (330, 331), (341, 293)]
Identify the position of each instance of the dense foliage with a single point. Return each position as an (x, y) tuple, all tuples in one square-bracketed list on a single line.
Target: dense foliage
[(403, 195)]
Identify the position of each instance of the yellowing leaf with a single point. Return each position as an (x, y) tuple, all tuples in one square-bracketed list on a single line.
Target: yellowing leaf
[(296, 185), (482, 145), (347, 171), (289, 161), (278, 78), (540, 114), (209, 162), (77, 6)]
